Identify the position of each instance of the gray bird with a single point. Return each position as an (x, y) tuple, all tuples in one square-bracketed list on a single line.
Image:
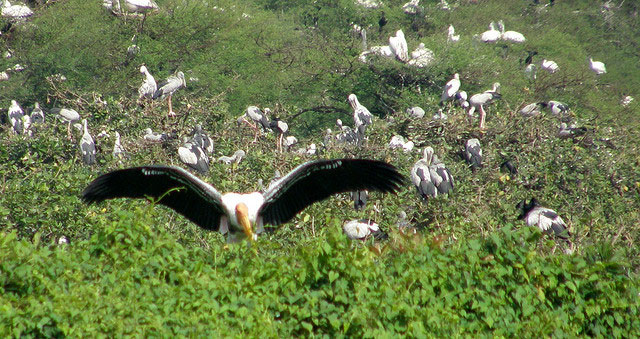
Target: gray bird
[(168, 87), (68, 116), (546, 219), (359, 199), (37, 115), (473, 153), (87, 146), (430, 176), (194, 156)]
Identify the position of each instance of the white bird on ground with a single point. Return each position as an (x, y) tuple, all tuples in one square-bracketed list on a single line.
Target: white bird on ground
[(15, 12), (235, 158), (451, 37), (478, 101), (597, 66), (473, 153), (289, 141), (150, 135), (168, 87), (549, 66), (68, 116), (462, 97), (416, 112), (87, 146), (450, 89), (421, 56), (118, 150), (246, 214), (511, 36), (412, 7), (149, 86), (530, 72), (15, 114), (192, 155), (430, 176), (492, 35), (361, 115), (398, 45), (546, 219), (360, 229), (140, 6), (37, 115)]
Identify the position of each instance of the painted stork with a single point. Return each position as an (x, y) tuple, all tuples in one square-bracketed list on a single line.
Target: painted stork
[(511, 36), (492, 35), (450, 89), (546, 219), (549, 66), (37, 115), (473, 153), (168, 87), (87, 146), (67, 115), (15, 12), (281, 128), (430, 176), (597, 67), (15, 114), (192, 155), (477, 101), (398, 45), (361, 115), (236, 157), (359, 199), (149, 86), (451, 37), (361, 229), (244, 215)]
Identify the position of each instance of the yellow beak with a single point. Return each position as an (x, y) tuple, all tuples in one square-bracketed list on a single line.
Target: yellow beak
[(242, 215)]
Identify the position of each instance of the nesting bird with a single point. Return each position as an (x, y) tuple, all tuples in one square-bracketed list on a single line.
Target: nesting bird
[(202, 139), (451, 37), (149, 86), (168, 87), (398, 45), (546, 219), (235, 158), (244, 215), (492, 35), (430, 176), (15, 12), (549, 66), (450, 89), (87, 146), (533, 109), (152, 136), (473, 153), (67, 115), (257, 117), (37, 115), (15, 114), (192, 155), (557, 108), (361, 229), (511, 36), (597, 67)]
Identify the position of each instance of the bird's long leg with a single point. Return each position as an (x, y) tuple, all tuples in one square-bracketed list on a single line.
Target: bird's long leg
[(280, 142), (482, 116), (69, 131), (171, 113)]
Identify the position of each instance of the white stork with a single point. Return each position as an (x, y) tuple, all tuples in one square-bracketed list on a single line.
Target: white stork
[(511, 36), (473, 153), (450, 89), (430, 176), (87, 146), (451, 37), (597, 67), (149, 86), (238, 214), (492, 35), (15, 12), (15, 114), (549, 66), (477, 101), (398, 45), (546, 219), (168, 87)]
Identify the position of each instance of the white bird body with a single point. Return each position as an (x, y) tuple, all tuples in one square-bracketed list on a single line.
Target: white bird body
[(492, 35), (451, 37), (149, 86), (546, 219), (140, 6), (118, 150), (511, 36), (530, 72), (237, 213), (626, 100), (360, 229), (194, 156), (397, 141), (597, 66), (421, 56), (384, 51), (450, 89), (15, 114), (289, 141), (473, 153), (236, 157), (549, 66), (398, 45), (87, 146), (532, 110), (153, 136), (416, 112), (411, 7), (557, 107), (168, 87), (477, 101), (15, 11), (361, 115), (37, 115), (430, 176)]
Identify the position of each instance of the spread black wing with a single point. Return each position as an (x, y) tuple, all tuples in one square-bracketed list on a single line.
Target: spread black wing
[(317, 180), (173, 186)]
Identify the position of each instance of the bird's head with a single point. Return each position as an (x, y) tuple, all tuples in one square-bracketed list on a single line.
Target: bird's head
[(242, 215)]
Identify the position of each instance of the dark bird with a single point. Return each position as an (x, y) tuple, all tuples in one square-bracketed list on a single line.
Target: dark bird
[(546, 219), (244, 214), (508, 166), (202, 139), (382, 22), (194, 156), (359, 199), (473, 153), (430, 176)]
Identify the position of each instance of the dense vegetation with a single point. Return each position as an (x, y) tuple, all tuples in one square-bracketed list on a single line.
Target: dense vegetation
[(131, 268)]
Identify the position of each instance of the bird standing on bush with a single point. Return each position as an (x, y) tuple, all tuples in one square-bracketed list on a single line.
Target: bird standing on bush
[(239, 214), (168, 87)]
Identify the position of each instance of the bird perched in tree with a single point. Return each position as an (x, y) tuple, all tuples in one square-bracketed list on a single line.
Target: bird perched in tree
[(477, 101), (597, 67), (149, 86), (549, 66), (450, 89), (546, 219), (557, 108), (382, 22), (361, 115), (398, 45), (87, 146), (192, 155), (570, 131), (533, 109), (15, 114), (37, 115), (140, 6), (430, 176), (279, 127), (202, 139), (473, 153), (15, 12), (257, 117), (168, 87), (118, 150), (362, 229), (67, 115), (511, 36), (150, 135), (245, 215)]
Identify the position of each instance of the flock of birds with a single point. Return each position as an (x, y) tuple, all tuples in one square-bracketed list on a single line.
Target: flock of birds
[(245, 215)]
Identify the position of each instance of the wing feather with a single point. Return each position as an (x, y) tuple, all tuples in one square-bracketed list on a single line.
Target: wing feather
[(177, 189), (317, 180)]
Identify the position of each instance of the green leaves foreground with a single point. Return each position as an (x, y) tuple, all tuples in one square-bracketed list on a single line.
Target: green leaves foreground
[(134, 279)]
